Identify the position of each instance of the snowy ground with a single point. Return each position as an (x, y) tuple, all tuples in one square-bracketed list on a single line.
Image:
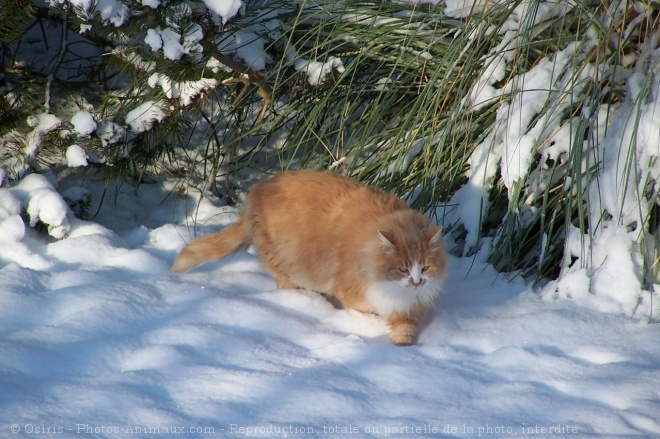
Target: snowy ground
[(99, 340)]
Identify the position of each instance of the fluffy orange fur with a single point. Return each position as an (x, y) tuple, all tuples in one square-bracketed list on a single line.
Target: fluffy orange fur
[(331, 234)]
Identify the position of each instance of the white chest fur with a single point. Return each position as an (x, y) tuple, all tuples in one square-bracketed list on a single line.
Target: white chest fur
[(389, 297)]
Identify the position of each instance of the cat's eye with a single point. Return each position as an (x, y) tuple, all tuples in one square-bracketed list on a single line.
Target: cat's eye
[(425, 268), (403, 269)]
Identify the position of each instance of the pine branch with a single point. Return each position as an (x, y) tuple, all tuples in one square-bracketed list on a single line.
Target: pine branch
[(249, 76), (14, 16)]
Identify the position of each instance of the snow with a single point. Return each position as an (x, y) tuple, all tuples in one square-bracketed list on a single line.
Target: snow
[(110, 132), (83, 123), (248, 48), (513, 142), (42, 124), (463, 8), (10, 221), (171, 42), (153, 39), (76, 156), (612, 275), (100, 340), (317, 71), (186, 91), (531, 130), (113, 11), (151, 3), (43, 204), (225, 9), (610, 259), (144, 116)]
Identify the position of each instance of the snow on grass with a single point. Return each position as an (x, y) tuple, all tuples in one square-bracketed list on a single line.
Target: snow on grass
[(76, 156), (110, 132), (248, 47), (461, 8), (83, 123), (43, 203), (225, 9), (102, 341), (174, 47), (185, 91), (316, 71), (532, 134), (42, 124), (113, 11), (511, 146), (144, 116)]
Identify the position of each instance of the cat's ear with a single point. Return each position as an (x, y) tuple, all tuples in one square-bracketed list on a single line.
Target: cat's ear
[(386, 238), (436, 236)]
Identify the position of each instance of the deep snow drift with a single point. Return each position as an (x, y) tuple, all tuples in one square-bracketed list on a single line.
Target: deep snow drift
[(99, 340)]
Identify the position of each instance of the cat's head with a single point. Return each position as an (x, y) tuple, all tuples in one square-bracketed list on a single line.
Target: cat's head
[(410, 252)]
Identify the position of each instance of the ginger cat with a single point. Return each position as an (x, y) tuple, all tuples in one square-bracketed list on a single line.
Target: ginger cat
[(331, 234)]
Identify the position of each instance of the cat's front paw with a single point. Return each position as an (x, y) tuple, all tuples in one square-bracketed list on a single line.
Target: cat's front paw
[(403, 327), (403, 334)]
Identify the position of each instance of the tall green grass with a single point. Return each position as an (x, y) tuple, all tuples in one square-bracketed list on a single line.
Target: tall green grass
[(398, 115)]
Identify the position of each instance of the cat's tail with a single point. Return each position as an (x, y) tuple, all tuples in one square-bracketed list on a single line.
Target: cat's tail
[(214, 246)]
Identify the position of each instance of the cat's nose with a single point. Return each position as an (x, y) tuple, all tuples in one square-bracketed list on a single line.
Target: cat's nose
[(416, 283)]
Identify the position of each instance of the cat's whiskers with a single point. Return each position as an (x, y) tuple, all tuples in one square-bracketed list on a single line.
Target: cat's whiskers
[(428, 292)]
